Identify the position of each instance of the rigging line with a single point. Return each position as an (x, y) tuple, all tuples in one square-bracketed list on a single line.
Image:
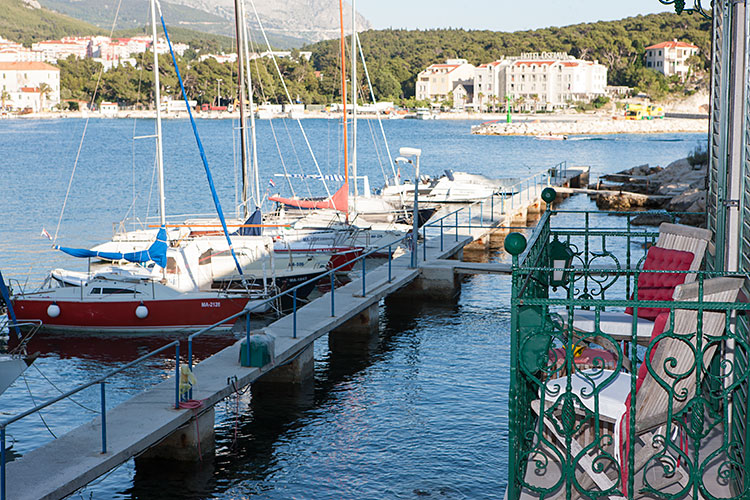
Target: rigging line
[(236, 171), (63, 392), (151, 188), (288, 96), (217, 203), (85, 127), (135, 121), (33, 400), (299, 163), (273, 130), (377, 150), (377, 111)]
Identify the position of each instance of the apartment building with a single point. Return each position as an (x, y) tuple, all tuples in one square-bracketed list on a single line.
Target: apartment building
[(670, 58), (24, 81), (436, 83), (538, 81)]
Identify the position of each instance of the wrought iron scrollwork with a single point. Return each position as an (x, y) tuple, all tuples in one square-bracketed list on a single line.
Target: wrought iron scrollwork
[(679, 7)]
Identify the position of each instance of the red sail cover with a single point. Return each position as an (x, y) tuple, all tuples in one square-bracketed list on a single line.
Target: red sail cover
[(339, 201)]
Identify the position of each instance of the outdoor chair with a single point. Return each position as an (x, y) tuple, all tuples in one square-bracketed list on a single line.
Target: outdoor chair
[(600, 398), (678, 248)]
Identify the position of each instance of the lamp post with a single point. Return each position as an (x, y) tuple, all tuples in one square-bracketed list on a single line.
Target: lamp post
[(416, 153), (218, 91)]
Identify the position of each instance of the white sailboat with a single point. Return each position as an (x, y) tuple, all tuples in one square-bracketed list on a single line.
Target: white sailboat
[(163, 289)]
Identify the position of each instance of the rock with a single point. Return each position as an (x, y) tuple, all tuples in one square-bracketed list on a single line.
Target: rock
[(698, 216), (625, 201), (650, 219), (683, 202)]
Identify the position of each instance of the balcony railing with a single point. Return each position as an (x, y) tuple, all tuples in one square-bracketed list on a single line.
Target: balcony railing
[(617, 392)]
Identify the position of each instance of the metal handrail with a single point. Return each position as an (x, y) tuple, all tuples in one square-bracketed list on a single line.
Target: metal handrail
[(252, 307), (102, 382)]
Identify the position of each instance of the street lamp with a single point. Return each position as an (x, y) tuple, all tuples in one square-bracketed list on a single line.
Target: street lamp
[(416, 153), (218, 91)]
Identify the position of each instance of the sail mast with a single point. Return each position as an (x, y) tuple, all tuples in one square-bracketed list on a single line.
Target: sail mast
[(254, 144), (354, 101), (241, 91), (157, 99), (343, 98)]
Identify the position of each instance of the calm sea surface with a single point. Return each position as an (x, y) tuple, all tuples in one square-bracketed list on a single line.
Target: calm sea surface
[(419, 412)]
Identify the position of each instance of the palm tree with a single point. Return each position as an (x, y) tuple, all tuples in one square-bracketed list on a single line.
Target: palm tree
[(4, 95), (44, 91)]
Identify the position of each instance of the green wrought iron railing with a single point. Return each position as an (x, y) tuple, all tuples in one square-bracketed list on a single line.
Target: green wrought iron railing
[(615, 391)]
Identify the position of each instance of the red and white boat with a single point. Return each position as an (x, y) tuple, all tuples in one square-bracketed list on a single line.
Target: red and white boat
[(119, 300)]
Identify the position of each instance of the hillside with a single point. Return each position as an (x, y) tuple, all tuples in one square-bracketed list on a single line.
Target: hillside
[(24, 24), (20, 23), (395, 57), (291, 23)]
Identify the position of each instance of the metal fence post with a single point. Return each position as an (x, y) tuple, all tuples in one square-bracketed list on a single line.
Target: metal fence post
[(2, 459), (333, 292), (492, 208), (456, 225), (441, 235), (469, 218), (481, 213), (177, 376), (364, 273), (294, 313), (104, 415), (247, 337), (390, 258), (424, 243)]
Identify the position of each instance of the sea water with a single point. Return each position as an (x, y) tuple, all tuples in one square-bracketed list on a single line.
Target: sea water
[(420, 411)]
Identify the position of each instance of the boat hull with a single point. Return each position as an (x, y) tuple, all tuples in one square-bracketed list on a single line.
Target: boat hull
[(120, 316)]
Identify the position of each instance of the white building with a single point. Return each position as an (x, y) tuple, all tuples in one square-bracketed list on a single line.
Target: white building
[(436, 83), (537, 81), (23, 81), (670, 58), (108, 108), (52, 50)]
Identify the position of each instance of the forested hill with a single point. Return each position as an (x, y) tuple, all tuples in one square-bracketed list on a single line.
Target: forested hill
[(394, 57)]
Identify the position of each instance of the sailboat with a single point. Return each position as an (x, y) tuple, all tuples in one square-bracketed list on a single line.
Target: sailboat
[(160, 289)]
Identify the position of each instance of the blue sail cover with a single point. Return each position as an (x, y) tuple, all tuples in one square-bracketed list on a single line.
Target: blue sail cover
[(157, 252), (255, 218)]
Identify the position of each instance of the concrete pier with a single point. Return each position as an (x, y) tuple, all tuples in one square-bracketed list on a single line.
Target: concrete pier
[(191, 442), (298, 371)]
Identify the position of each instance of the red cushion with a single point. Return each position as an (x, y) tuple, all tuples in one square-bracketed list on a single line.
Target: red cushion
[(660, 286)]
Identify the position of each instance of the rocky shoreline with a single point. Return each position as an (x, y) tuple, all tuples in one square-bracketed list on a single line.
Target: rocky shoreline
[(679, 188), (592, 125)]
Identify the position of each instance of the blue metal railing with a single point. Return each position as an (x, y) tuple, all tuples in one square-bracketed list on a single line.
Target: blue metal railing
[(293, 291), (102, 383)]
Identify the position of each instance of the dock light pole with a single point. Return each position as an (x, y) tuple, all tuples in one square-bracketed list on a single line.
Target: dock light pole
[(416, 153)]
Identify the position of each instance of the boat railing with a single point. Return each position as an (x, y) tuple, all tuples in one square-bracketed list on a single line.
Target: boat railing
[(504, 202), (102, 382)]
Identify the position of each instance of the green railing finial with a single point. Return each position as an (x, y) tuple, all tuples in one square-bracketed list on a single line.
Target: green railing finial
[(549, 194), (515, 244)]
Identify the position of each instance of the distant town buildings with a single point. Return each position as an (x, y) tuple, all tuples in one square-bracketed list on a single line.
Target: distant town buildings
[(436, 83), (108, 51), (30, 85), (533, 81), (670, 58), (232, 58)]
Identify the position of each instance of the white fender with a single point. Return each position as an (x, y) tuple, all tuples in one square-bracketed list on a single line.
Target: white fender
[(53, 310), (141, 312)]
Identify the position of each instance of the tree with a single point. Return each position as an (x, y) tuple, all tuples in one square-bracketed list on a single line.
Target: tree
[(44, 92), (4, 95)]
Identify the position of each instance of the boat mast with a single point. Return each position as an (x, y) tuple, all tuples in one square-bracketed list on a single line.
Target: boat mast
[(354, 102), (343, 99), (253, 140), (157, 99), (241, 91)]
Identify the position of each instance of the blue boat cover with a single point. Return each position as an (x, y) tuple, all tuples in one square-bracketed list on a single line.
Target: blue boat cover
[(157, 252), (255, 218)]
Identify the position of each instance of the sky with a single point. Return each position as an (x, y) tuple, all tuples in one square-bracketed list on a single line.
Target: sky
[(500, 15)]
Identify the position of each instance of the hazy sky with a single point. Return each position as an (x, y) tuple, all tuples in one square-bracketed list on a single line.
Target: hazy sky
[(500, 15)]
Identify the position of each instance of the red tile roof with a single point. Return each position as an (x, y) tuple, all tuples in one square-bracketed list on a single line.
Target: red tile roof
[(529, 63), (672, 45), (27, 66), (32, 90)]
